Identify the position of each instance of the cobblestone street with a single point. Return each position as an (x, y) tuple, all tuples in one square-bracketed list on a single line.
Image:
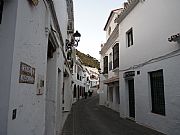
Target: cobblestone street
[(89, 118)]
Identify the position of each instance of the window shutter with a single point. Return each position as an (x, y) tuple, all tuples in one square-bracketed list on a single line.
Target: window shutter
[(116, 56), (106, 64)]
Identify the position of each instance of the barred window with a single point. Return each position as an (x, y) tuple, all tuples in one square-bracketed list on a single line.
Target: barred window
[(157, 92), (116, 56), (1, 9), (105, 64)]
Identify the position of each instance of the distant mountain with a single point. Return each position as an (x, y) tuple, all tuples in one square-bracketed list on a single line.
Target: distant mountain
[(88, 60)]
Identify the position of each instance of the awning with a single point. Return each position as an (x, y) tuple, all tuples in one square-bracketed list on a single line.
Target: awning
[(111, 80)]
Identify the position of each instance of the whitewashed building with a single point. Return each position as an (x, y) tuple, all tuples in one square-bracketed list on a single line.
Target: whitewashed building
[(84, 78), (93, 75), (149, 64), (79, 76), (36, 80), (109, 64)]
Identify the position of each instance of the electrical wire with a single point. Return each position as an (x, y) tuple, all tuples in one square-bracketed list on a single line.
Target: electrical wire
[(157, 59)]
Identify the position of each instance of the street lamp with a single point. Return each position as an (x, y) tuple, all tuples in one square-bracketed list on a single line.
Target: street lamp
[(76, 36), (74, 41)]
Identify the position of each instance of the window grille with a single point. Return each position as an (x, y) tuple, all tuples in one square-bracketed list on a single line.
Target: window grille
[(1, 9), (157, 92)]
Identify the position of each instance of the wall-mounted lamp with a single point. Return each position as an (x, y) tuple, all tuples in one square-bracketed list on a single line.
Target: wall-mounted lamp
[(74, 41), (76, 36)]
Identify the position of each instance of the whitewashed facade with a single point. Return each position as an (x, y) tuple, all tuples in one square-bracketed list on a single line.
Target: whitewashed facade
[(109, 64), (35, 82), (93, 75), (79, 77), (149, 64), (84, 78)]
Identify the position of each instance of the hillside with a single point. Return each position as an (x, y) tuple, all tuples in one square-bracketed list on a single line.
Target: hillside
[(88, 60)]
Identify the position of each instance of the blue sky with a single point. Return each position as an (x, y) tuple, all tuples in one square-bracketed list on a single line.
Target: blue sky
[(90, 18)]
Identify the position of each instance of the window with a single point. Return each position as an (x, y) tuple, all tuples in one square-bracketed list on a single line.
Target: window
[(110, 61), (129, 35), (116, 56), (1, 9), (157, 92), (105, 64)]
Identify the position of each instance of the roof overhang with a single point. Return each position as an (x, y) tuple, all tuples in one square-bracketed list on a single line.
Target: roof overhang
[(126, 10), (110, 16)]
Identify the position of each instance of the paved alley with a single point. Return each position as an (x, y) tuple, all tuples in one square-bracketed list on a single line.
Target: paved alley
[(89, 118)]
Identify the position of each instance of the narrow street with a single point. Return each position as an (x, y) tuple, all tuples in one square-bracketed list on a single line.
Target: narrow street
[(89, 118)]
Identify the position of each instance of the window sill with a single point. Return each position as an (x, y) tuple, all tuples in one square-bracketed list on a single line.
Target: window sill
[(158, 114)]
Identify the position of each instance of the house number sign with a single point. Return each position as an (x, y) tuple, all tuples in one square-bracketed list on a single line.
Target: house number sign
[(27, 74)]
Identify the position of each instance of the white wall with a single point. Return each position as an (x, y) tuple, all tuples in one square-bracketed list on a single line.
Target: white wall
[(7, 32), (30, 47), (62, 16), (111, 24), (152, 22), (170, 122), (68, 98), (103, 87), (102, 91), (25, 39), (151, 29)]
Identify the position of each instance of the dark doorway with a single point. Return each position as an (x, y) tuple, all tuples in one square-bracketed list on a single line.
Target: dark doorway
[(131, 98), (74, 95), (78, 91)]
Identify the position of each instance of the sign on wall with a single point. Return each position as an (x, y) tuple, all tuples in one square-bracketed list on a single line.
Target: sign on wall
[(27, 74), (129, 74)]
